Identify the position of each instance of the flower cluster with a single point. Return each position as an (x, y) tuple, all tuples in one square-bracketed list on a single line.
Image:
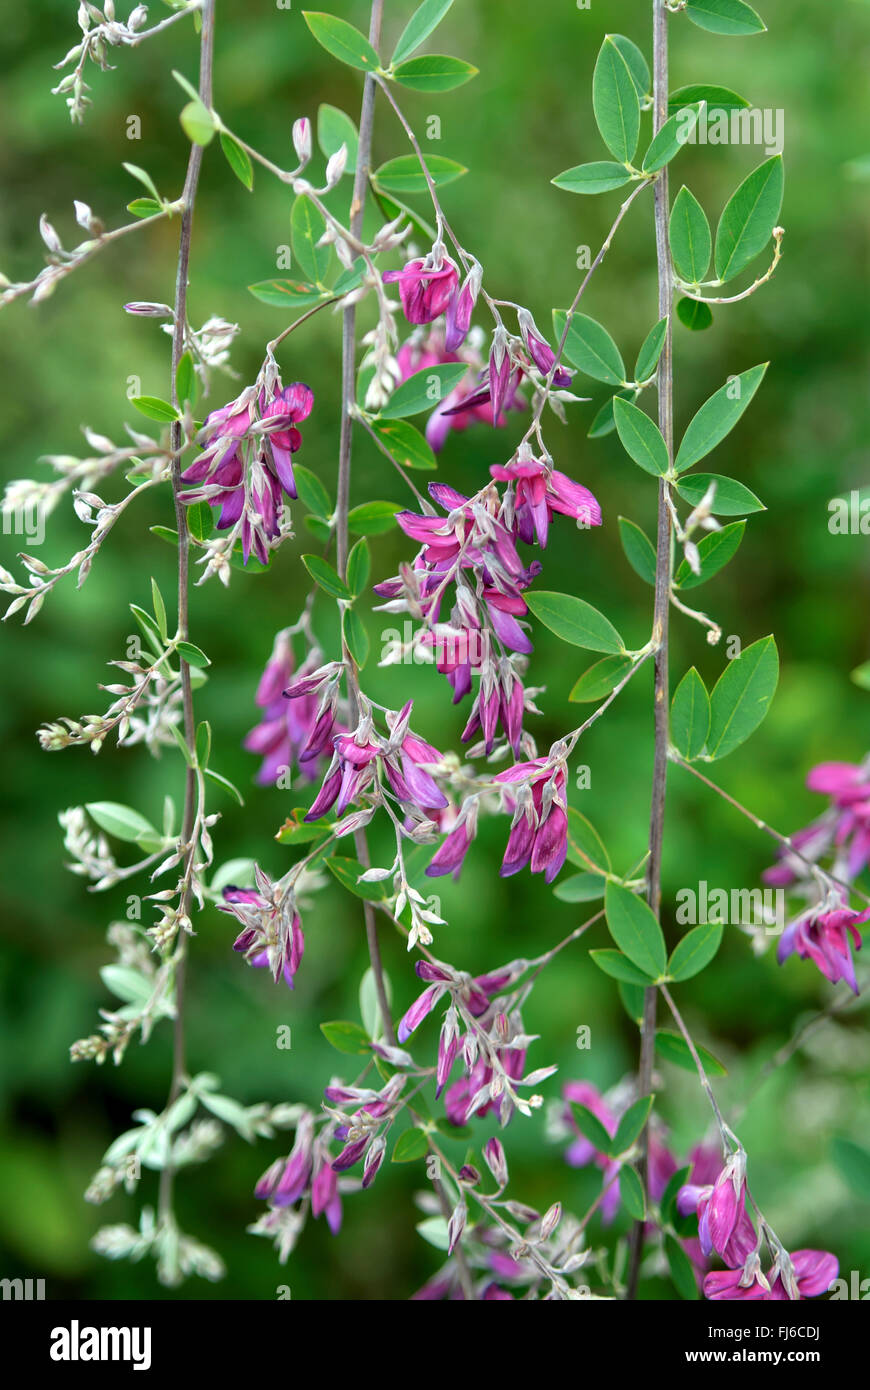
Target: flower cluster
[(296, 727), (248, 461), (272, 934), (827, 930)]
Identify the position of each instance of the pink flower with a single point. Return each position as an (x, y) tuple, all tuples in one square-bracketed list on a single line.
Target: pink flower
[(290, 731), (248, 461), (724, 1225), (541, 491), (359, 758), (823, 938), (272, 936), (815, 1272), (539, 830), (426, 287)]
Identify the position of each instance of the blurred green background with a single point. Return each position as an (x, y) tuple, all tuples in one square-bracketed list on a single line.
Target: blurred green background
[(66, 363)]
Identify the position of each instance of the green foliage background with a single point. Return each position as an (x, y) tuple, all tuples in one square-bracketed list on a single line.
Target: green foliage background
[(66, 363)]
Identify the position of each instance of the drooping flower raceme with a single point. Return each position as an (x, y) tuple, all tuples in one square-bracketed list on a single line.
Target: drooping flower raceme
[(272, 934), (247, 462)]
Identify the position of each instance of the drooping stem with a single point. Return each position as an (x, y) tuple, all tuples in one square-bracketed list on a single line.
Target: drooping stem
[(348, 385), (191, 182), (665, 386)]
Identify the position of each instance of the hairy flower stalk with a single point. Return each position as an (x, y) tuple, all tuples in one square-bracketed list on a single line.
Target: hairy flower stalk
[(664, 566), (191, 183), (348, 370)]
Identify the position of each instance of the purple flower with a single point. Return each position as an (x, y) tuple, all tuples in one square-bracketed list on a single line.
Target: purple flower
[(272, 937), (290, 731), (360, 757), (815, 1271), (324, 1194), (539, 830), (249, 445), (823, 938), (541, 491), (724, 1225), (426, 287)]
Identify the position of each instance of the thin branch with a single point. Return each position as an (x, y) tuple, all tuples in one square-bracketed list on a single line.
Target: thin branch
[(191, 182), (661, 611)]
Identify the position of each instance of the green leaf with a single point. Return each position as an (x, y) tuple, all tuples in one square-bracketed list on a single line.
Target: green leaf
[(604, 423), (350, 279), (127, 984), (193, 655), (714, 552), (631, 1194), (334, 129), (185, 751), (359, 567), (749, 218), (599, 177), (424, 390), (668, 1202), (159, 608), (411, 1145), (355, 636), (575, 621), (142, 176), (406, 444), (630, 1125), (404, 174), (619, 967), (690, 237), (641, 438), (423, 21), (690, 715), (287, 294), (742, 696), (144, 207), (694, 314), (434, 72), (590, 347), (340, 39), (635, 930), (434, 1232), (200, 520), (202, 743), (717, 417), (372, 518), (731, 17), (585, 846), (632, 997), (155, 409), (591, 1127), (296, 831), (854, 1163), (327, 576), (320, 529), (651, 351), (639, 550), (717, 98), (681, 1267), (306, 228), (197, 122), (730, 498), (615, 102), (348, 871), (311, 492), (637, 64), (600, 679), (674, 1048), (238, 160), (580, 888), (185, 378), (695, 951), (673, 135), (120, 821), (346, 1037), (225, 783)]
